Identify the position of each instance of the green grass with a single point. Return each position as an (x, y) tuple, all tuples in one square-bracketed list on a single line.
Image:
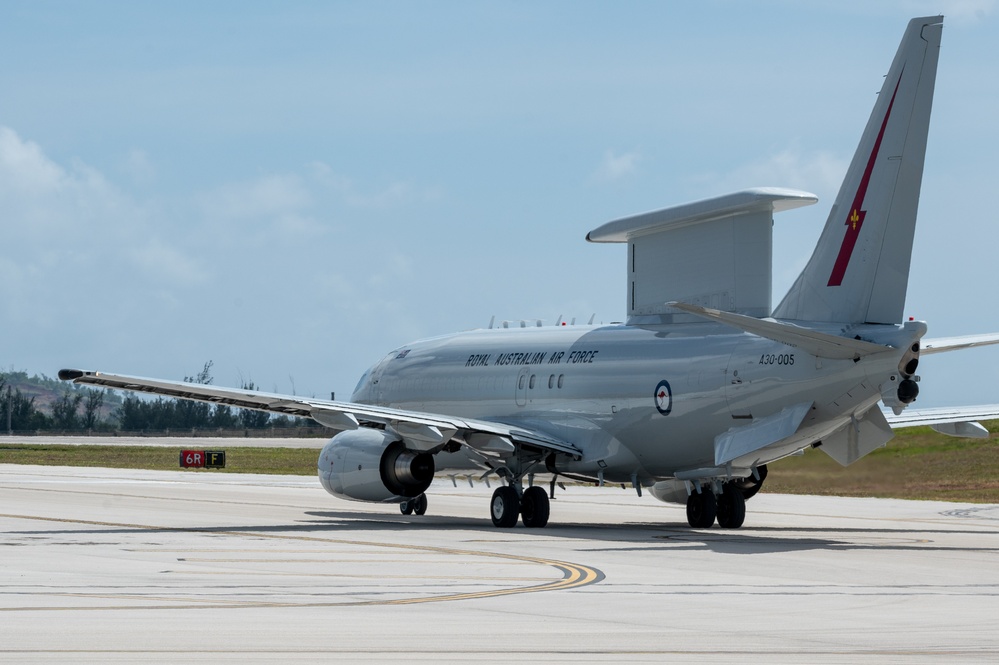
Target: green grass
[(294, 461), (917, 464)]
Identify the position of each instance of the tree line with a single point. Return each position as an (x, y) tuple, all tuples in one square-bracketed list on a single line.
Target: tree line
[(82, 408)]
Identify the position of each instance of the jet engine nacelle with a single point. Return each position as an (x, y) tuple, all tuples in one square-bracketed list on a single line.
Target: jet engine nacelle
[(373, 465)]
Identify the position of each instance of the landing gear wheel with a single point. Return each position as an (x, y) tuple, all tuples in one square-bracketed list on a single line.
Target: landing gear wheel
[(505, 507), (420, 504), (701, 509), (406, 507), (731, 507), (535, 508)]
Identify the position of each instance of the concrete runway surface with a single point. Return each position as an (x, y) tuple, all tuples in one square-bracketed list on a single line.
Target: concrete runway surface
[(103, 565)]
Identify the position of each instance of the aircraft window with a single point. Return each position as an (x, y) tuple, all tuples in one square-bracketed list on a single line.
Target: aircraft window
[(551, 382), (532, 382), (561, 377), (520, 385)]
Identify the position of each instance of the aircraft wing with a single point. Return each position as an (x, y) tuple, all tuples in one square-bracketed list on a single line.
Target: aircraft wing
[(958, 421), (421, 431)]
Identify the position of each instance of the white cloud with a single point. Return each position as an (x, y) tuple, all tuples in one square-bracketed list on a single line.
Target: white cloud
[(964, 11), (267, 196), (40, 199), (139, 167), (346, 190), (299, 225), (74, 246), (25, 168), (615, 166), (166, 264), (819, 172), (395, 267)]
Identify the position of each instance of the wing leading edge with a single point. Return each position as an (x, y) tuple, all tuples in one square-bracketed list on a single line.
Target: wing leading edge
[(420, 431), (943, 344)]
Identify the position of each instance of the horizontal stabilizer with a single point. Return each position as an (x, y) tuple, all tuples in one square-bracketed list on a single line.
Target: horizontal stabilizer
[(814, 342), (942, 344), (962, 430)]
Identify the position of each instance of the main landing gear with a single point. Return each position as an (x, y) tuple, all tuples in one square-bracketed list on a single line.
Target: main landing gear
[(731, 508), (704, 507), (533, 507), (507, 506), (416, 505)]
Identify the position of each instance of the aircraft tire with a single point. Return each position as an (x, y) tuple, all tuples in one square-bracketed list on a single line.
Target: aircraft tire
[(535, 507), (406, 507), (702, 507), (504, 507), (420, 504), (731, 508)]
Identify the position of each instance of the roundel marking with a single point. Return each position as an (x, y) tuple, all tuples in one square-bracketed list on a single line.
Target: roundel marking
[(664, 397)]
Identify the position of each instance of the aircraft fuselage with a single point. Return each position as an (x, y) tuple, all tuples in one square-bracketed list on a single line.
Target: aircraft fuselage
[(636, 400)]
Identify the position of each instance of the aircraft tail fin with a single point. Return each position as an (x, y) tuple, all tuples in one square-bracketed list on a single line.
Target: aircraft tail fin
[(859, 270)]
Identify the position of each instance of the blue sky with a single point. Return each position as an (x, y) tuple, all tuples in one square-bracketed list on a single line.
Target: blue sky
[(291, 190)]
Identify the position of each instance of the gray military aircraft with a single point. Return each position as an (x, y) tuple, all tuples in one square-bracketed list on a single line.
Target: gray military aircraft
[(702, 388)]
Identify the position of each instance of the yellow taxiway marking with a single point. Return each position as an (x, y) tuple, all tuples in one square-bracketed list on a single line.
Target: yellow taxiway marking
[(573, 575), (360, 576)]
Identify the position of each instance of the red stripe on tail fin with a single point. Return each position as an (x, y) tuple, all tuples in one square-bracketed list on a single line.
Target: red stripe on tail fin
[(855, 217)]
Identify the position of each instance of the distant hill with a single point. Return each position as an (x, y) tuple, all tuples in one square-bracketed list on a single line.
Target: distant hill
[(47, 391)]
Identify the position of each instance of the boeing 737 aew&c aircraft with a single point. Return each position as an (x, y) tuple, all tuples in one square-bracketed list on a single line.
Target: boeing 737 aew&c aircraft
[(702, 388)]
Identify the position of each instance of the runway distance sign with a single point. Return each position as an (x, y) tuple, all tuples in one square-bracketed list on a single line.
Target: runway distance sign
[(202, 459)]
